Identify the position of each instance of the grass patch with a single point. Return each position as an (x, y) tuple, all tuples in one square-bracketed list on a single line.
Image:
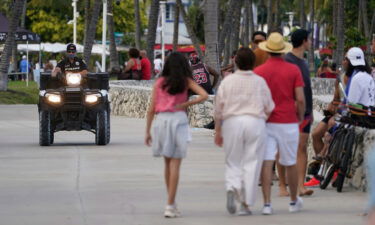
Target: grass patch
[(18, 93)]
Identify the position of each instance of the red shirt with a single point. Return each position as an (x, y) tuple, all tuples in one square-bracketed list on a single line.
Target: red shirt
[(282, 78), (146, 69)]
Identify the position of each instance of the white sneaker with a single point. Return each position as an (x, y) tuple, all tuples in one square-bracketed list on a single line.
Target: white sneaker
[(244, 210), (297, 206), (231, 204), (267, 210), (171, 212)]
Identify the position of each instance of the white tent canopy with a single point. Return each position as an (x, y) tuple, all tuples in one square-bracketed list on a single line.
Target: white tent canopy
[(57, 47)]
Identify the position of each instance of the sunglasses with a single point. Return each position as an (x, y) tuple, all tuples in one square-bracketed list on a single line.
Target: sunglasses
[(71, 51), (258, 41)]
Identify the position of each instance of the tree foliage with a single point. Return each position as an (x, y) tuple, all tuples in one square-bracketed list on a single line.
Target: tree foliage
[(49, 18)]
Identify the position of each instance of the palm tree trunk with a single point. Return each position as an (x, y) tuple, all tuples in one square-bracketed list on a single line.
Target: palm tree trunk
[(251, 18), (190, 30), (366, 27), (90, 36), (227, 25), (7, 51), (311, 52), (211, 32), (245, 38), (176, 24), (87, 19), (237, 24), (340, 31), (302, 20), (137, 25), (113, 55), (152, 26), (269, 16)]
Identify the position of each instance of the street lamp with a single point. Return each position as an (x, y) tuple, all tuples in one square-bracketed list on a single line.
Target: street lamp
[(162, 12), (104, 34)]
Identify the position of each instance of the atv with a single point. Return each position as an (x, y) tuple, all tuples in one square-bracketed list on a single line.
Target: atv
[(71, 102)]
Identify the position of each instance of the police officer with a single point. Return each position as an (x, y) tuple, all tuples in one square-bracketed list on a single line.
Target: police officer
[(71, 63)]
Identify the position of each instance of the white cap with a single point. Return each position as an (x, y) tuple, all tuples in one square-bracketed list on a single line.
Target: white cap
[(356, 56), (23, 57)]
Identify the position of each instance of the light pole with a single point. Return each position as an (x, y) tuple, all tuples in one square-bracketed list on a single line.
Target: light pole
[(162, 12), (74, 4), (104, 34)]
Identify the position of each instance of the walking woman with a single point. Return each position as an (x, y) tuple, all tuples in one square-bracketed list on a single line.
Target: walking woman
[(242, 105), (170, 132)]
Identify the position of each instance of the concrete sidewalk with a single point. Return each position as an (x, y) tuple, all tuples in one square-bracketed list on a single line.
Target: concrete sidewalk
[(76, 182)]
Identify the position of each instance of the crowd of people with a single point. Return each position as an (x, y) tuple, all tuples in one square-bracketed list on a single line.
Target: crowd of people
[(263, 113)]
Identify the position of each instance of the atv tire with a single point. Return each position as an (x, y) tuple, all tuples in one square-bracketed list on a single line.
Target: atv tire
[(102, 132), (46, 135)]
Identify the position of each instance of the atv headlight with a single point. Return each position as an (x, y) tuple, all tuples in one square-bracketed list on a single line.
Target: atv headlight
[(73, 79), (92, 98), (54, 98)]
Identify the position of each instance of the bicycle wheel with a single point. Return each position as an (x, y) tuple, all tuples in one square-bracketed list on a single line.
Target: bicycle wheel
[(345, 162), (327, 176)]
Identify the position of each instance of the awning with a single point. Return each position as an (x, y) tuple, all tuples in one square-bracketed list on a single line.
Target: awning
[(20, 35)]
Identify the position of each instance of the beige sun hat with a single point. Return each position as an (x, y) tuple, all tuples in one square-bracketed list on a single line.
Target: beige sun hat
[(275, 44)]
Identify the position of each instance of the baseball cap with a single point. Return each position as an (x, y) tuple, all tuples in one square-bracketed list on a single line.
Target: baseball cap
[(71, 47), (356, 56)]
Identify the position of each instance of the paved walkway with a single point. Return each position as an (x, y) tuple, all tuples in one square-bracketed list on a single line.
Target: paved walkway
[(76, 182)]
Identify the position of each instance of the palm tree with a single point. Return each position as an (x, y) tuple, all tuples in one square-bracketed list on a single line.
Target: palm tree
[(5, 57), (226, 29), (151, 33), (302, 20), (189, 28), (113, 55), (211, 33), (311, 52), (235, 39), (176, 24), (87, 18), (137, 25), (340, 31), (269, 15), (91, 30)]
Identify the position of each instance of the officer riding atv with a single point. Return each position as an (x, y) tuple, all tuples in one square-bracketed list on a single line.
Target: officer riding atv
[(71, 99)]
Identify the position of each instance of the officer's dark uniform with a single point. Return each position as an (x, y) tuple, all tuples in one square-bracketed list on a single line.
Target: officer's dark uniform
[(76, 66)]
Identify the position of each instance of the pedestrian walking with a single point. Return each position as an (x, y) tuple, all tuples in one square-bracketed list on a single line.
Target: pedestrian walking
[(145, 65), (242, 105), (286, 84), (301, 43), (170, 132)]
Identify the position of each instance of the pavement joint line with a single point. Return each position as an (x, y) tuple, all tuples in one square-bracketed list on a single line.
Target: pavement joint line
[(82, 206)]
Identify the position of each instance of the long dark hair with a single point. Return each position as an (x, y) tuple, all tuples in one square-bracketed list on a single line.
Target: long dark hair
[(366, 68), (176, 71)]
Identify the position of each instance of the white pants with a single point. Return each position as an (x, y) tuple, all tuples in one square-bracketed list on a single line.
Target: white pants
[(244, 145)]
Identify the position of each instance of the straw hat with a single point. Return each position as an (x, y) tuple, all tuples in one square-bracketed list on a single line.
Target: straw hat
[(275, 44)]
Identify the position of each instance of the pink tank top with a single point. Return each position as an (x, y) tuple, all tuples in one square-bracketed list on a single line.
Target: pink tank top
[(165, 102)]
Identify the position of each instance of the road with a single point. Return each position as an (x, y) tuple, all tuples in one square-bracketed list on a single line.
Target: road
[(76, 182)]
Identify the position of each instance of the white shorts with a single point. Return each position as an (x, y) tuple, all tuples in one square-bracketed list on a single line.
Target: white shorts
[(282, 138)]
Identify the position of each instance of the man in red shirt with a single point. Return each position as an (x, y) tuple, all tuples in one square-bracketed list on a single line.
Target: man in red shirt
[(286, 84), (146, 66)]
